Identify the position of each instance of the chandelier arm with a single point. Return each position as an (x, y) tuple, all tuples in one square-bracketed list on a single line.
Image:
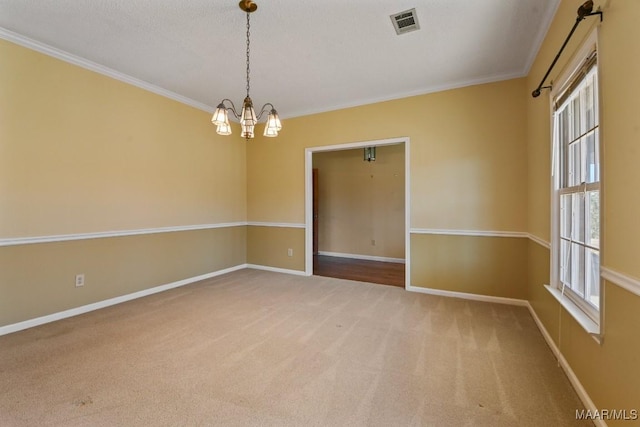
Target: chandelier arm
[(265, 110), (232, 108)]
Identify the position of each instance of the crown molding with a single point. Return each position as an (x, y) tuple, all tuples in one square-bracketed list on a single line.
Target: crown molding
[(392, 97), (98, 68), (539, 38)]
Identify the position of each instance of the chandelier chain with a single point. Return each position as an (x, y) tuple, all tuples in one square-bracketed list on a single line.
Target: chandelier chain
[(248, 50)]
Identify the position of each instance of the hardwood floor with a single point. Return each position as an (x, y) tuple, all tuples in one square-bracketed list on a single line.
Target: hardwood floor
[(384, 273)]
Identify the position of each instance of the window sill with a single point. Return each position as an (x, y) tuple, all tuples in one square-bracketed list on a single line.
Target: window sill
[(583, 320)]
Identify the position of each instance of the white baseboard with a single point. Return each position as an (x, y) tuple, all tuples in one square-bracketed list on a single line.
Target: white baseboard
[(276, 269), (465, 295), (109, 302), (365, 257), (575, 382)]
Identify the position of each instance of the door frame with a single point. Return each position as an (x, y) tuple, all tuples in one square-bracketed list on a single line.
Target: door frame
[(308, 196), (314, 207)]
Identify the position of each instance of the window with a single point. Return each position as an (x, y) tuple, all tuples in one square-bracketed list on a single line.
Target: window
[(577, 183)]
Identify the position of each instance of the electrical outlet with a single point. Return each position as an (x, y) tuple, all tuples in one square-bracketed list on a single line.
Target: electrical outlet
[(79, 280), (289, 252), (373, 242)]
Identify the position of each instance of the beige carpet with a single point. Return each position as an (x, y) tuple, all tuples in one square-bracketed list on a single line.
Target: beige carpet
[(261, 348)]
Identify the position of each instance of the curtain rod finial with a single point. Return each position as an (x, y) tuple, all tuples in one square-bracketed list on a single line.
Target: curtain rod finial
[(585, 9)]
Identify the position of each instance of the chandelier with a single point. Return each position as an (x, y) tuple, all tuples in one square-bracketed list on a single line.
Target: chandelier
[(247, 117)]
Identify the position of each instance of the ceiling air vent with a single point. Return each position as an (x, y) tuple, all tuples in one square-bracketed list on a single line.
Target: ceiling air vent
[(406, 21)]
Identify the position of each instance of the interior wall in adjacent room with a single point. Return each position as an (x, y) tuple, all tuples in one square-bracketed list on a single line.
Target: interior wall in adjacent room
[(361, 203)]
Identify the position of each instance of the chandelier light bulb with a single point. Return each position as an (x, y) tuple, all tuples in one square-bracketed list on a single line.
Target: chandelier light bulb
[(220, 115), (224, 129)]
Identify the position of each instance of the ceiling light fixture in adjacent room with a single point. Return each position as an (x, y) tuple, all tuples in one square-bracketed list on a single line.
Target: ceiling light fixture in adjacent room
[(247, 117), (370, 154)]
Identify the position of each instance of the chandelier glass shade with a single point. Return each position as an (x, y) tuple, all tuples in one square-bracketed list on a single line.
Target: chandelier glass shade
[(247, 116)]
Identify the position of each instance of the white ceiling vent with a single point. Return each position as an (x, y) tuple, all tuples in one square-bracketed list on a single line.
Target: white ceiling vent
[(406, 21)]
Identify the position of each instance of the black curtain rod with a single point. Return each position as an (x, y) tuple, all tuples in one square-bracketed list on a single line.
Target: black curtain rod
[(583, 11)]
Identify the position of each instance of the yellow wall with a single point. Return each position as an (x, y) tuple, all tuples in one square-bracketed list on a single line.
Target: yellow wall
[(38, 279), (468, 166), (610, 371), (495, 266), (83, 153), (269, 247), (468, 157), (361, 207)]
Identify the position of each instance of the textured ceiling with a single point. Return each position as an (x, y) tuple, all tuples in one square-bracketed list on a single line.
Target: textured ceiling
[(306, 57)]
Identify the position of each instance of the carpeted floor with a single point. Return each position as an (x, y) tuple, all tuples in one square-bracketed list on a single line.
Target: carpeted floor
[(262, 348)]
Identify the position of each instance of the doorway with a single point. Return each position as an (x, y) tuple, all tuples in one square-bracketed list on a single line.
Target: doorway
[(364, 232)]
